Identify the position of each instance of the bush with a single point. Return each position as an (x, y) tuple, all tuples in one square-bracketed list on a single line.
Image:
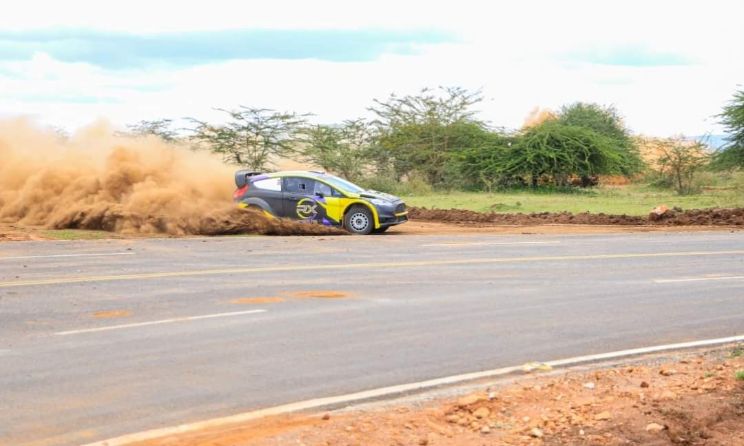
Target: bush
[(415, 185), (561, 151), (737, 181), (737, 351), (607, 122), (380, 183), (724, 180), (732, 118), (680, 161), (707, 178)]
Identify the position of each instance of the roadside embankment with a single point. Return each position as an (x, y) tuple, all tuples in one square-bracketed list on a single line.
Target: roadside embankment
[(670, 217), (687, 398)]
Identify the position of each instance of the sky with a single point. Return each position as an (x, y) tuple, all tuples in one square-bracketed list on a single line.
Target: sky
[(667, 66)]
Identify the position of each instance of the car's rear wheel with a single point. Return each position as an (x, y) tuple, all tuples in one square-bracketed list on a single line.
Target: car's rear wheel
[(359, 220)]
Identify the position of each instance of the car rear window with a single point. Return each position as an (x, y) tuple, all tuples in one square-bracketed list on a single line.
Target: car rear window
[(274, 184)]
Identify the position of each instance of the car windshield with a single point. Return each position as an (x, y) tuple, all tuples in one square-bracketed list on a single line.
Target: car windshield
[(342, 184)]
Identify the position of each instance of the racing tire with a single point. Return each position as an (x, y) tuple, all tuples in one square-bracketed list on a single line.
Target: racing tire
[(359, 221)]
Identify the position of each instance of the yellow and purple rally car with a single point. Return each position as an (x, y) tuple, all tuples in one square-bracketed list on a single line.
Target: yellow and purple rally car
[(319, 198)]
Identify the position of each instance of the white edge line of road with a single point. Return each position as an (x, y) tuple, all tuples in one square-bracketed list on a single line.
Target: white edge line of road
[(697, 279), (162, 321), (451, 244), (52, 256), (392, 391)]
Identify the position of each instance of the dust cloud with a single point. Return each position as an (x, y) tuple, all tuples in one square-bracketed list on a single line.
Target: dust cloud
[(95, 179), (537, 116)]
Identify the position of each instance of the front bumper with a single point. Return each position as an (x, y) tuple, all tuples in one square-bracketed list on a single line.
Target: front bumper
[(393, 219)]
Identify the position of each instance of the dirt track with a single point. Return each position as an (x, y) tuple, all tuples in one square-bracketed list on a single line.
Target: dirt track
[(695, 217)]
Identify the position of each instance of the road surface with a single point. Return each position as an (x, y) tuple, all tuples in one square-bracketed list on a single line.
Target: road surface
[(104, 338)]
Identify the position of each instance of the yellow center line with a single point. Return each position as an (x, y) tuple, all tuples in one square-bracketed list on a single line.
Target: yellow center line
[(352, 266)]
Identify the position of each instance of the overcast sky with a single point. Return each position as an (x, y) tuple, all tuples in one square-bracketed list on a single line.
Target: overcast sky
[(668, 66)]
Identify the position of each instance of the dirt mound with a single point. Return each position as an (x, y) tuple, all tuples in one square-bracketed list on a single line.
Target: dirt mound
[(696, 217), (96, 180)]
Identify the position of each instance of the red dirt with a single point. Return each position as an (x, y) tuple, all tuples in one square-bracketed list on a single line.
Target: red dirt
[(695, 217), (690, 399), (419, 227)]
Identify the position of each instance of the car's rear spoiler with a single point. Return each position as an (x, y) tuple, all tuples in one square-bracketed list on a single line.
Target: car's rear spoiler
[(241, 177)]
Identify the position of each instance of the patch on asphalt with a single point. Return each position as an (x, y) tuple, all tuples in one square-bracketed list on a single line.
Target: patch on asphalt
[(112, 314), (319, 294), (257, 300)]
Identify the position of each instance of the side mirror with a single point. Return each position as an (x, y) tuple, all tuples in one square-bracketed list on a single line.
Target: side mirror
[(319, 194)]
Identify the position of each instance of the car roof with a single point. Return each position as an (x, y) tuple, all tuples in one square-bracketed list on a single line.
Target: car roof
[(312, 174), (298, 173)]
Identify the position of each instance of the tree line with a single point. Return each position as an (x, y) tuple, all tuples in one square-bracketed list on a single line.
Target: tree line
[(436, 137)]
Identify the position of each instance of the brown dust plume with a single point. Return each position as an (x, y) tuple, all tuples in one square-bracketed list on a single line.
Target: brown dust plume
[(97, 180)]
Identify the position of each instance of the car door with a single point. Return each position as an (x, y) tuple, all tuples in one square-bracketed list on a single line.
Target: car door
[(330, 199), (299, 199)]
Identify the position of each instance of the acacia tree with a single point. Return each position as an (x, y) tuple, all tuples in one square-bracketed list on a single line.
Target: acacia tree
[(732, 118), (606, 121), (679, 160), (419, 133), (160, 128), (481, 166), (252, 136), (343, 149), (559, 151)]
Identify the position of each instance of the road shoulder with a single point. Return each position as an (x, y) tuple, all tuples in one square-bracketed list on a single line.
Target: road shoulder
[(687, 397)]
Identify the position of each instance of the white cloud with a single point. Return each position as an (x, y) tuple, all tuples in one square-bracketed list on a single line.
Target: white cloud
[(516, 52)]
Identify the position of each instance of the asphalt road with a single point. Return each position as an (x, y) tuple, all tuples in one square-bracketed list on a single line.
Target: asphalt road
[(178, 348)]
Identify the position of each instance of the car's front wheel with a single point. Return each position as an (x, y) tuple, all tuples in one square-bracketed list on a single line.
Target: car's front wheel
[(359, 220)]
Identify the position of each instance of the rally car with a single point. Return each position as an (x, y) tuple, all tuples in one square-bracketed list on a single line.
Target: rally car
[(320, 198)]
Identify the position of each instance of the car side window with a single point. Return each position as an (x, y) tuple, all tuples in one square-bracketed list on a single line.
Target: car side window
[(323, 189), (274, 184), (299, 185)]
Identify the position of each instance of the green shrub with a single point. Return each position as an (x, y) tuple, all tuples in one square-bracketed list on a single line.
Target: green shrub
[(559, 152), (380, 183), (415, 185), (737, 181), (739, 375), (737, 351)]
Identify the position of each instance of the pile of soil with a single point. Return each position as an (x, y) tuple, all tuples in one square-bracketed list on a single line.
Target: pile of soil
[(695, 217)]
